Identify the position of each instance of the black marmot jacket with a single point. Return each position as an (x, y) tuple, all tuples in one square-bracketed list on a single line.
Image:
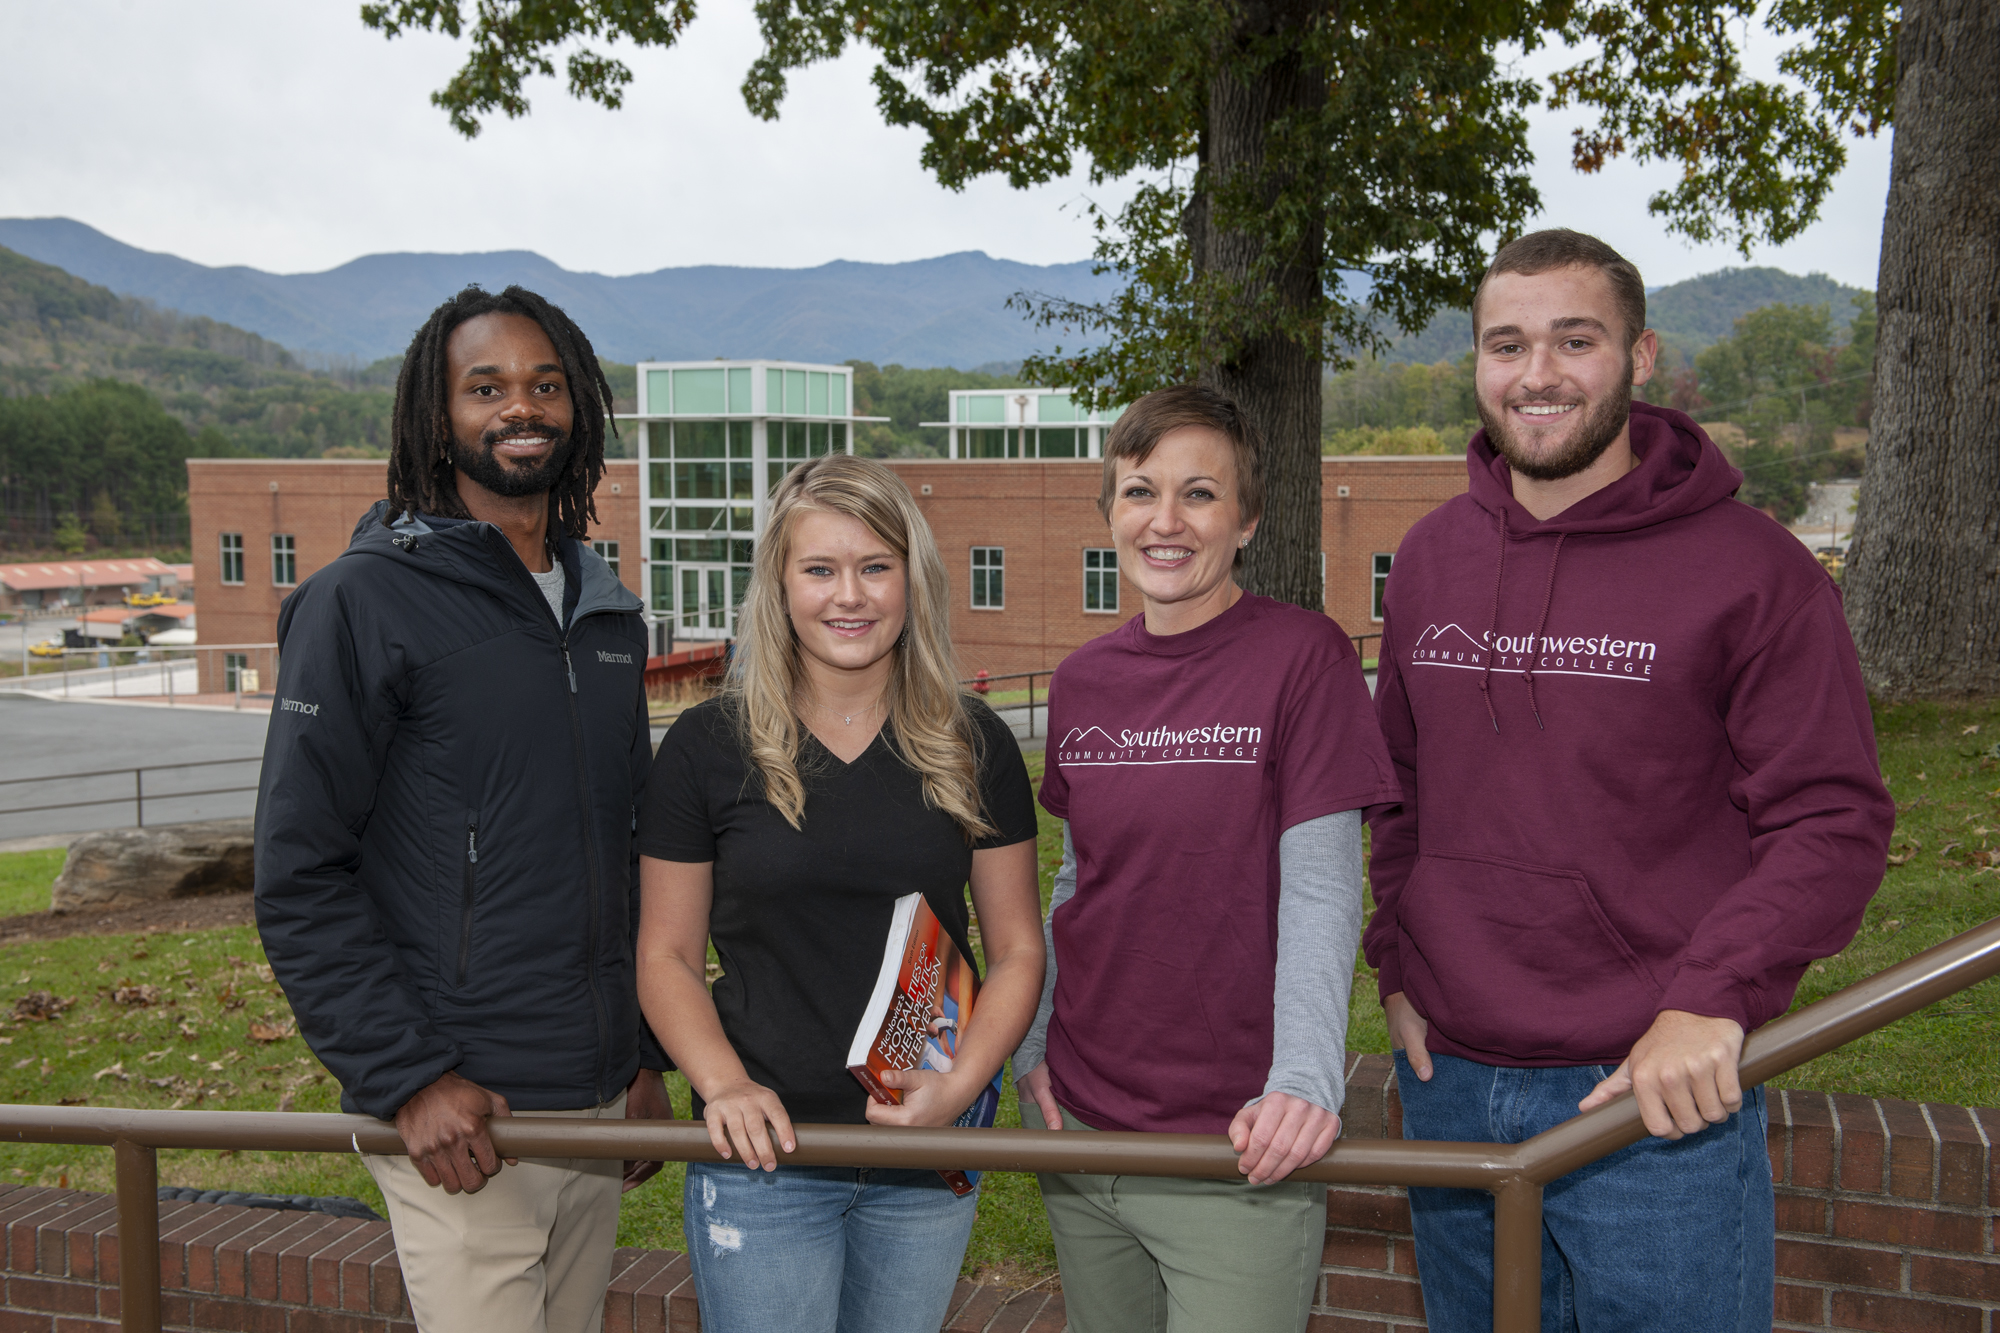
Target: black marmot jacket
[(446, 874)]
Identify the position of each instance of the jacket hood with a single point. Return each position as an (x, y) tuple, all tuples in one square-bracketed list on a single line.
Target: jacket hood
[(1680, 472), (478, 554)]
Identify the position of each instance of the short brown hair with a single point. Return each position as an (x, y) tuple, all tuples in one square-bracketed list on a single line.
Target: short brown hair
[(1559, 247), (1147, 421)]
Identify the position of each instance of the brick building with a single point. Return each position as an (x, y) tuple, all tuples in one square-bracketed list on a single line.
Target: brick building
[(260, 526), (1031, 572)]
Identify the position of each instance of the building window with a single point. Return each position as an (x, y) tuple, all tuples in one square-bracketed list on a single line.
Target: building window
[(1382, 562), (232, 557), (233, 667), (284, 559), (1100, 579), (989, 569), (609, 550)]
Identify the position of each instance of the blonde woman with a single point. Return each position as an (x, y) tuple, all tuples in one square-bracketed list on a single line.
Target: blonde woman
[(840, 769)]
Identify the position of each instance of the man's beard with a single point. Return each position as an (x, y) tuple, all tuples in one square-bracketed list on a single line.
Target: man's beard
[(1600, 427), (479, 462)]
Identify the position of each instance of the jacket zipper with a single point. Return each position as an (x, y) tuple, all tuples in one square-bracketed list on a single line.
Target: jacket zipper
[(590, 850), (465, 905), (589, 835)]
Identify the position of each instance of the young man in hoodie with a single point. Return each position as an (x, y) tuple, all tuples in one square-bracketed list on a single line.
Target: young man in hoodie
[(447, 886), (1640, 797)]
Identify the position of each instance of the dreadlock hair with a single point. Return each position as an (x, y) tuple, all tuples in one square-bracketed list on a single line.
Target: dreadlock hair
[(421, 476)]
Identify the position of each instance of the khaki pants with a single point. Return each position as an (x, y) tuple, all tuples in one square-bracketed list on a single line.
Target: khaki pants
[(530, 1252), (1150, 1254)]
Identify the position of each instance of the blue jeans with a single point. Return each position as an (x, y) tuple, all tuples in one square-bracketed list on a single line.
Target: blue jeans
[(1660, 1235), (823, 1249)]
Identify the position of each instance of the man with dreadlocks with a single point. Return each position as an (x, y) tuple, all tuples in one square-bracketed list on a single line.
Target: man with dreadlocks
[(446, 882)]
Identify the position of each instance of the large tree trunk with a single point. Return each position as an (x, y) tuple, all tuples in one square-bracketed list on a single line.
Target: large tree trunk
[(1923, 580), (1274, 377)]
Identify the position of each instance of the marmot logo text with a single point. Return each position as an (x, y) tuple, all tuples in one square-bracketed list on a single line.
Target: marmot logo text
[(294, 706), (603, 656)]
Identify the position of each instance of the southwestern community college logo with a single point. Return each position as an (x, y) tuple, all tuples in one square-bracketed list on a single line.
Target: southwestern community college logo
[(1094, 747), (1547, 654)]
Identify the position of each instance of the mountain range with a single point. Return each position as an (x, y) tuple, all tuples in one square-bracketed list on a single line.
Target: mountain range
[(950, 311), (947, 311)]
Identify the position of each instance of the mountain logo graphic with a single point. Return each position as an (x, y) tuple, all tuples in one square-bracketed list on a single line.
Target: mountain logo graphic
[(1548, 654), (1095, 747)]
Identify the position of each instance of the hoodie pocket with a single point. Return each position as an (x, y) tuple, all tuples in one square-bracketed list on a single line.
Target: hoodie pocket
[(1520, 960), (468, 894)]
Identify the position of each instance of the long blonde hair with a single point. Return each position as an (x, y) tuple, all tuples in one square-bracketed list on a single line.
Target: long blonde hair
[(931, 730)]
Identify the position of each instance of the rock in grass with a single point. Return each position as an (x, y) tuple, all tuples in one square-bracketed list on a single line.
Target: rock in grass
[(127, 867)]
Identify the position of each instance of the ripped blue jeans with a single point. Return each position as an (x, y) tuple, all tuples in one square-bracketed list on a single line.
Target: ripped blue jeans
[(823, 1249)]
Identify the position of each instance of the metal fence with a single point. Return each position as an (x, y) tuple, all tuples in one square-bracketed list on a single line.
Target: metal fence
[(1515, 1174), (983, 684), (138, 798), (150, 671)]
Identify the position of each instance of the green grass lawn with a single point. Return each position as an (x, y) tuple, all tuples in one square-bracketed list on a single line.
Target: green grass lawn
[(25, 878), (189, 1041)]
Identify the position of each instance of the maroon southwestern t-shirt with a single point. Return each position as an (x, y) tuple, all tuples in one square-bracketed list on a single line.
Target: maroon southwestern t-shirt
[(1178, 761)]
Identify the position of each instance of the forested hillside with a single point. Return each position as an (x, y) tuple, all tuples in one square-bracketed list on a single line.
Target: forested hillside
[(58, 331), (1786, 390), (1688, 315)]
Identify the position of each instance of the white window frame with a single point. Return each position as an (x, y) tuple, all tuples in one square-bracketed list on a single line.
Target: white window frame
[(1378, 570), (608, 550), (994, 562), (232, 555), (284, 560), (1107, 580)]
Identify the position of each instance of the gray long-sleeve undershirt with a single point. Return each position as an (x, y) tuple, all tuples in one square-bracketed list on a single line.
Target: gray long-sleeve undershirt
[(1319, 930)]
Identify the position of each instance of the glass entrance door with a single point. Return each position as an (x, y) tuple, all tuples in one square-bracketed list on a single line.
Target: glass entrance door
[(709, 596)]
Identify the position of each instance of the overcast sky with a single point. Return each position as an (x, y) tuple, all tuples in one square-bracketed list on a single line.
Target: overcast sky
[(287, 137)]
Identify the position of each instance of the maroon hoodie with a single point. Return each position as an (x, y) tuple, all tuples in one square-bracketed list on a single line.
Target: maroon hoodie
[(1637, 762)]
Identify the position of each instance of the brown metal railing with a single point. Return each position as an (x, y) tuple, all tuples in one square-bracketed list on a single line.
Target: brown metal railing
[(1515, 1173), (983, 683)]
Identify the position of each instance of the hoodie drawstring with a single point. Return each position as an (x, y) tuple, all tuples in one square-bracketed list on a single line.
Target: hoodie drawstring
[(1493, 628), (1548, 596)]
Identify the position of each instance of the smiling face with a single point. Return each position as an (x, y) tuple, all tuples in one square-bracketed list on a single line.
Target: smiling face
[(1177, 524), (1555, 369), (510, 406), (845, 590)]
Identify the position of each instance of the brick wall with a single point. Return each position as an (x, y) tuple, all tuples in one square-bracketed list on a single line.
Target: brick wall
[(225, 1269), (1043, 514), (317, 502), (1888, 1216), (1385, 498)]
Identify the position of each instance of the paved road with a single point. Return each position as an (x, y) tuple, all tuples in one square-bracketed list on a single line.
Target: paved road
[(39, 739), (36, 631)]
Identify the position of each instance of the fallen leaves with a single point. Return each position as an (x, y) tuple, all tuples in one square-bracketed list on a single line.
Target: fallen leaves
[(1913, 847), (264, 1031), (137, 997), (40, 1006)]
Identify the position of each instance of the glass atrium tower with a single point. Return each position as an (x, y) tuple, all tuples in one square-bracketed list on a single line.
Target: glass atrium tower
[(1024, 423), (717, 437)]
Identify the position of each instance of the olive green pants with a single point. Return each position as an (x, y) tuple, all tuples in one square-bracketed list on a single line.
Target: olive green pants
[(1148, 1254)]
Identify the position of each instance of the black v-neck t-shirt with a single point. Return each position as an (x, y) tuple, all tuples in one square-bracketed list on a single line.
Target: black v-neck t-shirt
[(801, 916)]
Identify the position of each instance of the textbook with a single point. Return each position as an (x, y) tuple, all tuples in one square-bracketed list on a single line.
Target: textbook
[(922, 1001)]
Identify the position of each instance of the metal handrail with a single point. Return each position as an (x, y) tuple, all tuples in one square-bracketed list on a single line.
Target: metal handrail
[(1514, 1173), (975, 682), (138, 796)]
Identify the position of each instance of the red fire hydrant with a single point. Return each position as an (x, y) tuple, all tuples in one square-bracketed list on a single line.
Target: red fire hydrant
[(980, 682)]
